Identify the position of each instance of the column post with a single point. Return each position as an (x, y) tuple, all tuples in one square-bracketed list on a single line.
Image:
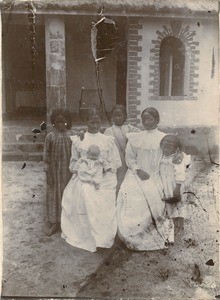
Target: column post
[(55, 64)]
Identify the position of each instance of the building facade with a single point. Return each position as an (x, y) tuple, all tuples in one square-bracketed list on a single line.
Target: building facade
[(166, 56)]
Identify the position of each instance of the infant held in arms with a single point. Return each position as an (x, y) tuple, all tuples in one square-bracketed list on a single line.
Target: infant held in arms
[(90, 168)]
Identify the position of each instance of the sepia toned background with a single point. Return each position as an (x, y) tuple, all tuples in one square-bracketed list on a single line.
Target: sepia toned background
[(167, 56)]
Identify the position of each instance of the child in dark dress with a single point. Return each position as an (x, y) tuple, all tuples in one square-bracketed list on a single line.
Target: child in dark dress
[(57, 153)]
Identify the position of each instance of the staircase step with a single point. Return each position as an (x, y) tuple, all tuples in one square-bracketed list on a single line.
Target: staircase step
[(19, 134), (20, 144), (25, 137), (23, 147), (22, 156)]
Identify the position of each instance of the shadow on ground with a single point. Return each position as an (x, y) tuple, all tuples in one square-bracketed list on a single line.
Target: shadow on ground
[(35, 265)]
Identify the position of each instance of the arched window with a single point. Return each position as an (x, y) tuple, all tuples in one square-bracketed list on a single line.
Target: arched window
[(172, 67)]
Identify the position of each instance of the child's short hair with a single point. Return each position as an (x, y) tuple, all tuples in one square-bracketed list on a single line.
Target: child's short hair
[(63, 112), (171, 138), (120, 107)]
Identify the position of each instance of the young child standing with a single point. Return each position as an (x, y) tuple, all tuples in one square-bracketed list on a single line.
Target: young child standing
[(57, 153), (90, 169), (173, 167), (119, 130)]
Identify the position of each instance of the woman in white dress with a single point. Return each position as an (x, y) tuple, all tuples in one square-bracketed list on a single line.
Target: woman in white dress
[(118, 130), (141, 214), (88, 218)]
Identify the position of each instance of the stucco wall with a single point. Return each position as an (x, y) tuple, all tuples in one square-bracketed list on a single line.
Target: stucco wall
[(80, 66), (204, 110)]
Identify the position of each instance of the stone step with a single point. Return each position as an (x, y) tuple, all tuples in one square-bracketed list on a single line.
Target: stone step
[(22, 156), (12, 137), (19, 129), (16, 126), (28, 129), (27, 135), (23, 147)]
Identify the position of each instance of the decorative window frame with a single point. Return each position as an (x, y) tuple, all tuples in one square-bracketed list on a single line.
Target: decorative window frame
[(177, 30)]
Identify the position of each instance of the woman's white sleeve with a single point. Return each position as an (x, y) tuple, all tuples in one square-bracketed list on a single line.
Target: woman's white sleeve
[(74, 155), (113, 155), (108, 131), (131, 157)]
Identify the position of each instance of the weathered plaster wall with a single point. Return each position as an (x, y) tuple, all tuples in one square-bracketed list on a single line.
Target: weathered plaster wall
[(194, 117), (204, 110)]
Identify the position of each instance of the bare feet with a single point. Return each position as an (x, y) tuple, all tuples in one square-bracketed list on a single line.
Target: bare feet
[(53, 229)]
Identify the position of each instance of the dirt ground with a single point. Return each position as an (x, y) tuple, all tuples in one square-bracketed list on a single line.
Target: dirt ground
[(35, 265)]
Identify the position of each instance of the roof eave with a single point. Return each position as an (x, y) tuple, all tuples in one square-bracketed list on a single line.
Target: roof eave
[(120, 10)]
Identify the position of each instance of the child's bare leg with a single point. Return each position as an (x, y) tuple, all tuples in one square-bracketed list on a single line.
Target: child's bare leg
[(53, 229), (179, 225)]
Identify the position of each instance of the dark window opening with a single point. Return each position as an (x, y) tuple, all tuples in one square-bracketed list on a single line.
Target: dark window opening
[(172, 65)]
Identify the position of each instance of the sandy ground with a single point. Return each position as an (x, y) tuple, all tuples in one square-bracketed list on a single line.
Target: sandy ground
[(35, 265), (180, 272)]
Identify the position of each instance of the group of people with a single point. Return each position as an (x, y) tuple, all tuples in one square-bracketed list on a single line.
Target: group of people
[(126, 182)]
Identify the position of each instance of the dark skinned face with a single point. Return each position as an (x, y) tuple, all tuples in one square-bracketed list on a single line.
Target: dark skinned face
[(59, 123), (148, 121), (168, 148), (94, 124), (118, 117)]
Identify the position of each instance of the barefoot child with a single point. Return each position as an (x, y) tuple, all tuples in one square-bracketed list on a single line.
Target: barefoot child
[(57, 153), (90, 169), (173, 168), (118, 130)]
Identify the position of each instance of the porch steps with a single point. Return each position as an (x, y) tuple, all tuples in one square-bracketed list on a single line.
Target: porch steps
[(20, 144), (13, 137), (22, 156), (23, 149)]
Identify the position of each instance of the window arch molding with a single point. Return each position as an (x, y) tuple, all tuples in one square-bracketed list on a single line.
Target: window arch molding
[(188, 52)]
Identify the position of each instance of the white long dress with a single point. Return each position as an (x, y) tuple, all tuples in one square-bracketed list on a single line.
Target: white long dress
[(119, 133), (141, 214), (88, 218)]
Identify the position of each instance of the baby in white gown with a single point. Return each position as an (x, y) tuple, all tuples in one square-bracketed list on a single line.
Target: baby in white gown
[(90, 168)]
